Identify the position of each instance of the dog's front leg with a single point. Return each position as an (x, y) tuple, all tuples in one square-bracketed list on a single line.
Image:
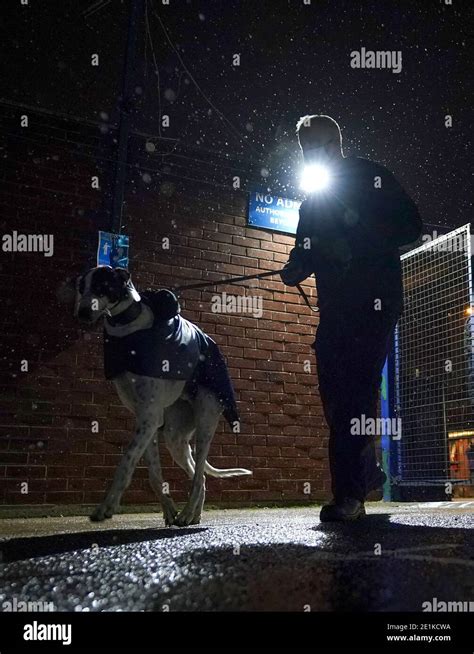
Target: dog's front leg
[(144, 433)]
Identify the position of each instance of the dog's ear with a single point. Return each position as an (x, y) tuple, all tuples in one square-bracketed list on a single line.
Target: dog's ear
[(122, 274), (66, 291)]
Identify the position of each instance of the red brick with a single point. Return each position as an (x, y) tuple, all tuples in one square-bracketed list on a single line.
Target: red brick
[(13, 497), (267, 473), (66, 497), (264, 495), (246, 242), (266, 450), (61, 471), (237, 450), (282, 485), (15, 458), (25, 473)]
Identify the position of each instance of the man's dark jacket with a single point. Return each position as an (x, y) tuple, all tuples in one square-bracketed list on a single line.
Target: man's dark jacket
[(349, 236)]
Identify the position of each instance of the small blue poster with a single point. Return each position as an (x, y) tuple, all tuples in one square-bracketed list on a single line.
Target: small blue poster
[(268, 211), (112, 250)]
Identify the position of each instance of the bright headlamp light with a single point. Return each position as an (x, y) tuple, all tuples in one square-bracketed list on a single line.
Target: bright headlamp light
[(315, 178)]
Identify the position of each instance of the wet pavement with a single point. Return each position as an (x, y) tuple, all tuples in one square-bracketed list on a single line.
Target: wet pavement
[(251, 559)]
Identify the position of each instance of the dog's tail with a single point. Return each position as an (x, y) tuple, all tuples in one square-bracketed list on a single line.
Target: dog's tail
[(215, 472), (226, 472)]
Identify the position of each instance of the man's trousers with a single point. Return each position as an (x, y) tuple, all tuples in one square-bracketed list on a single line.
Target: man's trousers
[(352, 342)]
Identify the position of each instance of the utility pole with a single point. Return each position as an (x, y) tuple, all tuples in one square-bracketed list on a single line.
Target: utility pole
[(125, 109)]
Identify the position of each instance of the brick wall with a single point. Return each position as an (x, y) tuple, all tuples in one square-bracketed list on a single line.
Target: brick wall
[(46, 412)]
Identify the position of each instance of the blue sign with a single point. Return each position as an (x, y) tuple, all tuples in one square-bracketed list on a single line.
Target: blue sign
[(112, 250), (269, 211)]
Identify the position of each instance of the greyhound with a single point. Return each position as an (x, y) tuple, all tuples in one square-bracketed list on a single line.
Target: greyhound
[(172, 404)]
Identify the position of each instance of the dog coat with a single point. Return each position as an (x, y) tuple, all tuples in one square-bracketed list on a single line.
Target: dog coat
[(172, 348)]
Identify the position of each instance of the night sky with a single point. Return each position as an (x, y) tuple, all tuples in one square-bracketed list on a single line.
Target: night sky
[(294, 59)]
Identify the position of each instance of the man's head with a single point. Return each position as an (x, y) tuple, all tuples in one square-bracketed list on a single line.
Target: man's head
[(320, 139)]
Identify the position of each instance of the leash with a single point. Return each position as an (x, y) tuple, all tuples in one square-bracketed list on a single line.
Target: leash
[(243, 278), (306, 299), (227, 280)]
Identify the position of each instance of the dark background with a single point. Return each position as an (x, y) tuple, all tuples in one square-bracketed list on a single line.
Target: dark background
[(295, 59)]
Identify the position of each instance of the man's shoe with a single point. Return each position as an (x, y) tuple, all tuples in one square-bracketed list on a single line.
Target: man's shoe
[(346, 510)]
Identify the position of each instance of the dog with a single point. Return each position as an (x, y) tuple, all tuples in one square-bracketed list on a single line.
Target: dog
[(166, 371)]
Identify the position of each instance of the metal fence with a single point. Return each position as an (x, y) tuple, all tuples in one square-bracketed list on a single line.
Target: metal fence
[(434, 371)]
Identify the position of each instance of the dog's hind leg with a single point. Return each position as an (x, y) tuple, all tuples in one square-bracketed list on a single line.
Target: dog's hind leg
[(181, 453), (178, 431), (196, 519), (152, 458), (207, 411)]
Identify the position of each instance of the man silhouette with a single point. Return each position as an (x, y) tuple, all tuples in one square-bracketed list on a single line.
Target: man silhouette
[(348, 235)]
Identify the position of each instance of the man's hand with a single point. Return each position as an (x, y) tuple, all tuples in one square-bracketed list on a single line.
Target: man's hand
[(293, 273)]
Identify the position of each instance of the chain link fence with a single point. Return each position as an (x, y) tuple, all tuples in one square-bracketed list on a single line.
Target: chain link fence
[(434, 364)]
